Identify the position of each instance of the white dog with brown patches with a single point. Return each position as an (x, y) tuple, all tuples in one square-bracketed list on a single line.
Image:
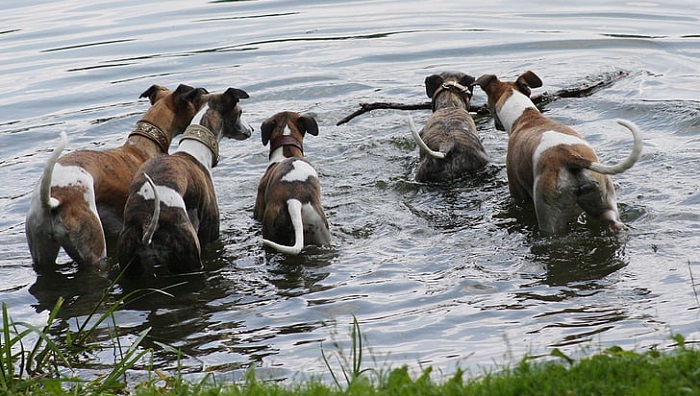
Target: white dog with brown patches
[(551, 163), (289, 194)]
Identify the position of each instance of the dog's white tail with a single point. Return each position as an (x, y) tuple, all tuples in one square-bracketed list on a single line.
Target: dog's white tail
[(294, 208), (630, 160), (421, 143), (45, 187), (153, 226)]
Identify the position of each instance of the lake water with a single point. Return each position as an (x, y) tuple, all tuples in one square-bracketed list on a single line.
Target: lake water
[(451, 275)]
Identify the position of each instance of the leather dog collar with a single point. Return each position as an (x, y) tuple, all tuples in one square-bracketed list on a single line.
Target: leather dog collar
[(285, 140), (452, 87), (153, 133), (203, 135)]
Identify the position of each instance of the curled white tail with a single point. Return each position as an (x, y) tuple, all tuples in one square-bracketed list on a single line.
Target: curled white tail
[(630, 160), (294, 208), (421, 143), (148, 235), (45, 186)]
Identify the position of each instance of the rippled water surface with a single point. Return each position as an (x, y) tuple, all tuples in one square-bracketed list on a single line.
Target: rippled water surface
[(445, 275)]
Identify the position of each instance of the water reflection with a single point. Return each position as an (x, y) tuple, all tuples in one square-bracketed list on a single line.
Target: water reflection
[(298, 275), (81, 291), (581, 255)]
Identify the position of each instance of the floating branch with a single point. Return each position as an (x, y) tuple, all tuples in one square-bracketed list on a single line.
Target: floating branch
[(580, 90)]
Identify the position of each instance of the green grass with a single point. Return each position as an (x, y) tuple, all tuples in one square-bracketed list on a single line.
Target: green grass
[(34, 362), (611, 372)]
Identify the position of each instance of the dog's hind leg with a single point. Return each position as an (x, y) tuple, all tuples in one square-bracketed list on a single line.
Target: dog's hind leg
[(315, 226), (42, 246), (294, 207), (555, 207), (85, 240)]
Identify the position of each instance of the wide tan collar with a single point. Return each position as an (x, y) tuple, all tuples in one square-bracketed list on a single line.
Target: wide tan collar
[(153, 133), (205, 136)]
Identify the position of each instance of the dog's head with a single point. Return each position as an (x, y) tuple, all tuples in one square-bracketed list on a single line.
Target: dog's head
[(287, 129), (224, 114), (460, 86), (172, 111), (499, 91)]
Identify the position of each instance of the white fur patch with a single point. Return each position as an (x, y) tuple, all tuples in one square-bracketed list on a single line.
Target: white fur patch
[(302, 171), (167, 195), (287, 131), (198, 150), (198, 117), (277, 155), (74, 176), (551, 139), (513, 108)]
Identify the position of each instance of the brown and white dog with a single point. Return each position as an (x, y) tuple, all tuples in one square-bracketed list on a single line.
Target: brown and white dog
[(449, 145), (81, 195), (172, 212), (551, 163), (289, 194)]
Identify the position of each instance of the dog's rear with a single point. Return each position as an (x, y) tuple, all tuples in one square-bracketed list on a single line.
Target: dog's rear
[(175, 246), (293, 214), (45, 231)]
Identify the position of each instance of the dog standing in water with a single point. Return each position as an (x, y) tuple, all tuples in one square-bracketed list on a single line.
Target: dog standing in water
[(449, 144), (81, 196), (172, 212), (549, 162), (289, 194)]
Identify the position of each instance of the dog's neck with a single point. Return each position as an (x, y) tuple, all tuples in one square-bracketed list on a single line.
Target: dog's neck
[(201, 142), (285, 146), (153, 133), (451, 94), (513, 108)]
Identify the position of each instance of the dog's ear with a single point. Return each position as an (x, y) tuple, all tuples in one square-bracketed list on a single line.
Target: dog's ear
[(266, 129), (183, 89), (533, 81), (194, 95), (467, 81), (528, 80), (154, 93), (185, 95), (432, 83), (236, 93), (485, 80), (308, 124)]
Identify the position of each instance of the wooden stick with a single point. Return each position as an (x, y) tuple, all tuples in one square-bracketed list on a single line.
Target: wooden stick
[(583, 89)]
